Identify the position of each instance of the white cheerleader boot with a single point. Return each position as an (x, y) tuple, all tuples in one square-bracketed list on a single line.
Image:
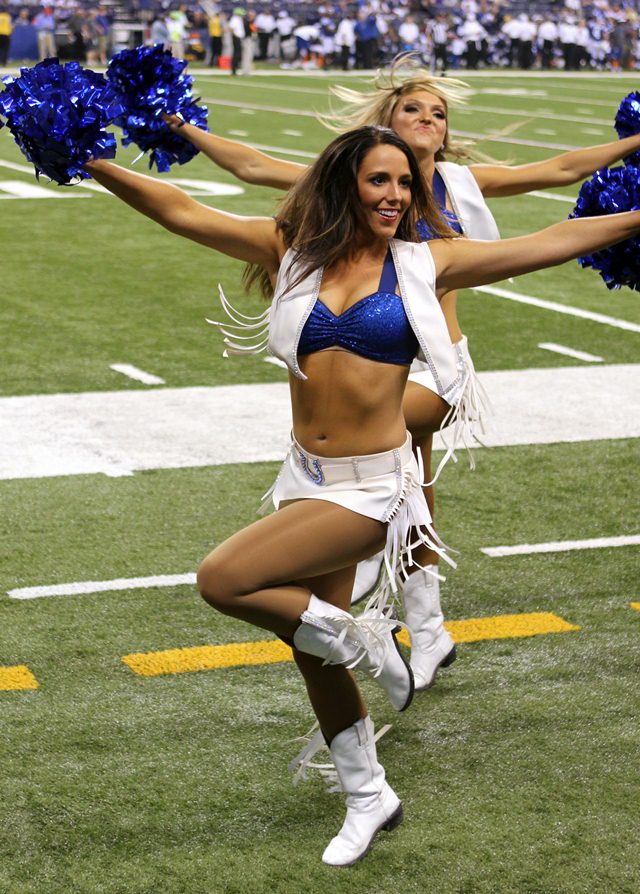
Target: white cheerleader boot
[(431, 645), (368, 642), (367, 576), (372, 805)]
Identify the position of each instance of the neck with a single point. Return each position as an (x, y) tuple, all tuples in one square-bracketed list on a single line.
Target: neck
[(368, 249), (428, 167)]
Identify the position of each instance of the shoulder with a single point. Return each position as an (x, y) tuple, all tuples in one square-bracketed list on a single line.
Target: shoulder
[(456, 173)]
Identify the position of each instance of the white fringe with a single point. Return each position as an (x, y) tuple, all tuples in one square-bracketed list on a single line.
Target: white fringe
[(314, 742), (465, 421), (256, 326)]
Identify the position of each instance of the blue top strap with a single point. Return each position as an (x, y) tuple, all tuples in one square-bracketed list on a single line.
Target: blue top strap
[(389, 277)]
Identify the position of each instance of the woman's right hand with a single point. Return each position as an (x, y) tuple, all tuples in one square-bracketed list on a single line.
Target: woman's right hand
[(174, 121)]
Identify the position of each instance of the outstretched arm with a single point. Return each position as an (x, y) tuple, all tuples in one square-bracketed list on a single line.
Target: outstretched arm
[(561, 170), (245, 163), (252, 239), (465, 263)]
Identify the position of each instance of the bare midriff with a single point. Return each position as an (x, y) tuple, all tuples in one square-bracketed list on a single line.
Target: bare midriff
[(348, 405)]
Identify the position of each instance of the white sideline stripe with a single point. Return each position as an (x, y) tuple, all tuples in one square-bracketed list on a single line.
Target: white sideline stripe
[(561, 546), (570, 352), (542, 113), (560, 308), (18, 189), (134, 429), (239, 133), (81, 588), (554, 196), (138, 374)]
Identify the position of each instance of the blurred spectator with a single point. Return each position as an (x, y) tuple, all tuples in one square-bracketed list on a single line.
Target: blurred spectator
[(90, 38), (265, 25), (473, 34), (45, 25), (511, 32), (527, 34), (439, 41), (159, 30), (408, 35), (582, 58), (367, 34), (76, 23), (284, 26), (567, 31), (241, 38), (215, 39), (547, 37), (177, 23), (5, 35), (345, 40), (103, 34)]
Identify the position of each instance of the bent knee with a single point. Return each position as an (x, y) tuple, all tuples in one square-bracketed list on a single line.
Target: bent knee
[(216, 582)]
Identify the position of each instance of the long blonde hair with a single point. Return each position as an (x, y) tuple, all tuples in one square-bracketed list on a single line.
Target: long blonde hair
[(377, 106)]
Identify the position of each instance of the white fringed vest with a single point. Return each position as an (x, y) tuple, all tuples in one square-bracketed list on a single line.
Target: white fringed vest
[(468, 203), (416, 273)]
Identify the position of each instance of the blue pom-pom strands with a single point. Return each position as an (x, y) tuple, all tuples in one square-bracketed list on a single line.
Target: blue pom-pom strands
[(610, 191), (58, 114), (150, 83), (627, 123)]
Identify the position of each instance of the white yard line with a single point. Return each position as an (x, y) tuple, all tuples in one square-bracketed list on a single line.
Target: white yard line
[(561, 546), (551, 196), (570, 352), (545, 114), (560, 308), (139, 375), (87, 587), (121, 432), (19, 189), (80, 588)]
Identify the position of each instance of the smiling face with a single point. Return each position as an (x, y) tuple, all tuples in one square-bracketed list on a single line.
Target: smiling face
[(384, 189), (420, 118)]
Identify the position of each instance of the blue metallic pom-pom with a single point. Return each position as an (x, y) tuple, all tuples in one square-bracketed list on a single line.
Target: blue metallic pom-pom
[(627, 123), (150, 83), (610, 191), (57, 115)]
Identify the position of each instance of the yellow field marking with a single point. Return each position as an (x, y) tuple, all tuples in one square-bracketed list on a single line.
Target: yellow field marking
[(200, 658), (17, 677), (503, 627), (635, 605)]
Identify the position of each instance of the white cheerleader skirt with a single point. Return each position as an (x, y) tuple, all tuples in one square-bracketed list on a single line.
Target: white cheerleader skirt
[(384, 486)]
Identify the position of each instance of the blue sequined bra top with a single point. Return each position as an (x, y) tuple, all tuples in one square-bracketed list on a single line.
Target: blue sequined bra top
[(375, 327), (440, 195)]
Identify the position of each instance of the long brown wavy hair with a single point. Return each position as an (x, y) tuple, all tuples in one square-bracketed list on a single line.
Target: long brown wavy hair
[(320, 215)]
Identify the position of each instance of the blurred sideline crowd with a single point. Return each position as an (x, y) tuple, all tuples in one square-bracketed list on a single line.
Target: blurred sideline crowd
[(569, 35)]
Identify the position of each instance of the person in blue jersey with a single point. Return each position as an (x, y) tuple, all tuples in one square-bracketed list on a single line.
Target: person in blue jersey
[(416, 106), (354, 300)]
